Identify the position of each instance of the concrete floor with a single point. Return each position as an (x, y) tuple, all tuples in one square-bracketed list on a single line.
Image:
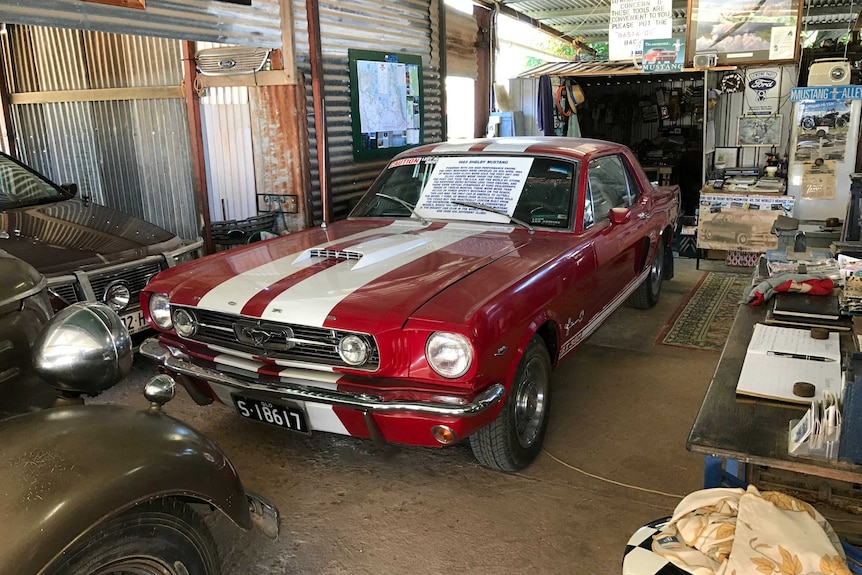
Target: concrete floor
[(614, 459)]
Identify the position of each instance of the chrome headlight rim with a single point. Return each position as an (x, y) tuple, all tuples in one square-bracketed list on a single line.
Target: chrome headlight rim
[(160, 311), (439, 340), (117, 296), (363, 348), (185, 322)]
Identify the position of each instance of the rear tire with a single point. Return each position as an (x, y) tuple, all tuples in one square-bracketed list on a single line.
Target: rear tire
[(163, 537), (513, 440), (649, 291)]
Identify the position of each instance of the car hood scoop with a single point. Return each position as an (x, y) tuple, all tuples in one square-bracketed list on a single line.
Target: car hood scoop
[(373, 252)]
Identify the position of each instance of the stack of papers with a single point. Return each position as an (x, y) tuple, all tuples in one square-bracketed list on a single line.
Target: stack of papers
[(778, 357)]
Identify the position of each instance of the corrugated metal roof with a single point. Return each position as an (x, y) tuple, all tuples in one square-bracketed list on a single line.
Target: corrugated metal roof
[(205, 20), (589, 19), (605, 69)]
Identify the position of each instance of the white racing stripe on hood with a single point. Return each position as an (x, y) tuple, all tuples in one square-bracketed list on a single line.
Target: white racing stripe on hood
[(310, 301), (511, 145), (231, 295)]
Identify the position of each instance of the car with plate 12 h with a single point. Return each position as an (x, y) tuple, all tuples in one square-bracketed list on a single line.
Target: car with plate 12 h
[(87, 252), (437, 310)]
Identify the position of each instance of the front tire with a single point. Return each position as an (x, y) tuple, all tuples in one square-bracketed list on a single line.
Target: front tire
[(513, 440), (163, 537), (649, 291)]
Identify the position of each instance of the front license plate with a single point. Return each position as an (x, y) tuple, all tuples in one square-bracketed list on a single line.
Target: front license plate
[(134, 321), (279, 415)]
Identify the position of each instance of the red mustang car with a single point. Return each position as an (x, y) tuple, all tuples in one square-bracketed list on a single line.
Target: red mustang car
[(438, 309)]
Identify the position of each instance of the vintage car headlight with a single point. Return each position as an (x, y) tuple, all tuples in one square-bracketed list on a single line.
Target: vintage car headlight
[(353, 350), (449, 354), (117, 296), (185, 322), (160, 310)]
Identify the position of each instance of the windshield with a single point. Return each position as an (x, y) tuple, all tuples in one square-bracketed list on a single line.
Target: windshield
[(19, 187), (537, 191)]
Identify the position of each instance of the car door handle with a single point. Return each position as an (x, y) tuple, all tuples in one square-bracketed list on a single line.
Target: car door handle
[(644, 216)]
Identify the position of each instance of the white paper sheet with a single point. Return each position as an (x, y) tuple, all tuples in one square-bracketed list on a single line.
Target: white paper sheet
[(772, 376)]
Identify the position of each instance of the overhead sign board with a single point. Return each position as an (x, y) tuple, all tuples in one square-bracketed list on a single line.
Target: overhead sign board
[(633, 21)]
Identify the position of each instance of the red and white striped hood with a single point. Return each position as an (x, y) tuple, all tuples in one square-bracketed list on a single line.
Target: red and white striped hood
[(359, 275)]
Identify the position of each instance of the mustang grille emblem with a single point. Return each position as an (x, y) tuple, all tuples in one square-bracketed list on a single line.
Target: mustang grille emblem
[(266, 337)]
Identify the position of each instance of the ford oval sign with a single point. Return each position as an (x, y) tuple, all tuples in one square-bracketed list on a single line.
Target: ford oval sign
[(762, 83)]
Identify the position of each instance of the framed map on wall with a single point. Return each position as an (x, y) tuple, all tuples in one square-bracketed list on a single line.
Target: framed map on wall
[(386, 102)]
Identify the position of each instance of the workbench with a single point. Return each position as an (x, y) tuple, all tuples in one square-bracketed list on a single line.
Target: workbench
[(741, 435)]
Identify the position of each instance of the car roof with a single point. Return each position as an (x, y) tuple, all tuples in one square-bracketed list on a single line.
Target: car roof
[(575, 148)]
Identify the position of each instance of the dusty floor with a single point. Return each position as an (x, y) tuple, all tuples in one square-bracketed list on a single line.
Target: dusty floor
[(622, 410)]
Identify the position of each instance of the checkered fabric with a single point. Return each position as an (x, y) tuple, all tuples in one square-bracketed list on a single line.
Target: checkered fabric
[(639, 558)]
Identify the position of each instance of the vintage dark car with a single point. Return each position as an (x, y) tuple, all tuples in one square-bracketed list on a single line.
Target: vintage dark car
[(99, 488), (438, 309), (86, 251)]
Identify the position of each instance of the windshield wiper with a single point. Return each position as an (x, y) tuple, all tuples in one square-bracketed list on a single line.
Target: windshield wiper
[(405, 204), (485, 208)]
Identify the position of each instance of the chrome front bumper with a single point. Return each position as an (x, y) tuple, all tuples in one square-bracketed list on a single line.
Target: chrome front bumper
[(176, 362)]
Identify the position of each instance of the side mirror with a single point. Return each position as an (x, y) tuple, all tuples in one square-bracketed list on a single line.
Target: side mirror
[(71, 189), (620, 215), (84, 349)]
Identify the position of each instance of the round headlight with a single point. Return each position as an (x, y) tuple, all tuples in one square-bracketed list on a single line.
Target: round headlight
[(185, 322), (160, 310), (449, 354), (353, 350), (117, 296)]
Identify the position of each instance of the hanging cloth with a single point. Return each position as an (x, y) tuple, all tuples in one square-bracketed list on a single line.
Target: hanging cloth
[(574, 130), (574, 96), (545, 106)]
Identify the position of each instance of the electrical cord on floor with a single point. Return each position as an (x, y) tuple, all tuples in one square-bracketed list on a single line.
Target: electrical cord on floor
[(644, 489), (611, 481)]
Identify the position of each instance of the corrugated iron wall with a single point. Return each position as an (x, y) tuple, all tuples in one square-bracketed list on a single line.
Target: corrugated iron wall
[(205, 20), (131, 155), (403, 27)]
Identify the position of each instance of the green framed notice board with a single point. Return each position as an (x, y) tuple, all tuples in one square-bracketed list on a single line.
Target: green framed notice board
[(386, 102)]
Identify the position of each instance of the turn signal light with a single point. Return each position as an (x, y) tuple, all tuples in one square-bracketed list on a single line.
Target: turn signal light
[(444, 434)]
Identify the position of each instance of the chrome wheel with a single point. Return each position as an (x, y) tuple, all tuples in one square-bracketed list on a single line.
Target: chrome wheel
[(656, 269), (647, 294), (529, 401), (514, 439)]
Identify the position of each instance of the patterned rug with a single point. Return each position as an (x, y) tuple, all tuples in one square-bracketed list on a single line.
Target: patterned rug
[(704, 319)]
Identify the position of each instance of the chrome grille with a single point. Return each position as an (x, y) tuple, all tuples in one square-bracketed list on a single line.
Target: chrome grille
[(334, 254), (66, 292), (310, 344), (135, 276)]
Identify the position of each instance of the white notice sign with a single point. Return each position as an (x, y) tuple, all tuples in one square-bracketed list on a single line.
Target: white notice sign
[(493, 182), (633, 21)]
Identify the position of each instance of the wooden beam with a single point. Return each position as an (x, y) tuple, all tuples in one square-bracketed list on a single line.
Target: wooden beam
[(196, 144), (263, 78), (288, 50), (98, 95)]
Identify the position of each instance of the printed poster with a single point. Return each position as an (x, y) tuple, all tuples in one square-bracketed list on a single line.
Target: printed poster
[(821, 142), (740, 223), (818, 180), (762, 88), (666, 55), (494, 182), (633, 21)]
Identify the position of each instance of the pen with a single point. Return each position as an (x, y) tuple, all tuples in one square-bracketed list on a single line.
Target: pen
[(799, 356)]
